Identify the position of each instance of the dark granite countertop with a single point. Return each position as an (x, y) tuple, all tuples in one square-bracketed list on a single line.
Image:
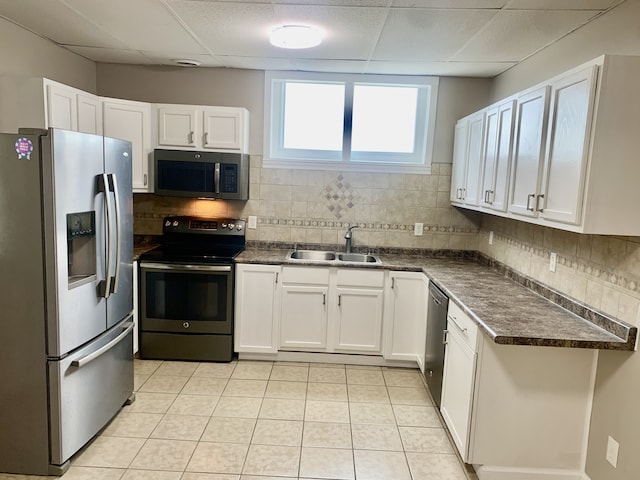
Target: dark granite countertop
[(505, 309)]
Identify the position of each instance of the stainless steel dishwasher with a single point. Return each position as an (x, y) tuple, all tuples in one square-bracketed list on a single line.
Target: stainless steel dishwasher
[(434, 349)]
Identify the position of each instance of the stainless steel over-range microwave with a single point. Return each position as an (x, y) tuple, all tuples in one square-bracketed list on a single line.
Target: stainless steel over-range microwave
[(201, 174)]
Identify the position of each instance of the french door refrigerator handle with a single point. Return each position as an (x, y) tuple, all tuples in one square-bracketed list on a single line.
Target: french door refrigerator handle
[(114, 189), (103, 186), (217, 178), (104, 349)]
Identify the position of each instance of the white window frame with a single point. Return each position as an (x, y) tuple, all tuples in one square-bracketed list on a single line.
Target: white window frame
[(273, 97)]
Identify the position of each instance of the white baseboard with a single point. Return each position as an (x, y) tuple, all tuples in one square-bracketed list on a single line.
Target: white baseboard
[(284, 356), (511, 473)]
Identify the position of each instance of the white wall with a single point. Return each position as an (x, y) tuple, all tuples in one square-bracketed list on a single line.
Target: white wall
[(26, 54)]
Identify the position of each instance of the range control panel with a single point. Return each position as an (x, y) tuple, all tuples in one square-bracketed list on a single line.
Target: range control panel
[(204, 226)]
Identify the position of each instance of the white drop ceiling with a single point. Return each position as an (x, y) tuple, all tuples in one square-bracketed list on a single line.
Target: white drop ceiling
[(479, 38)]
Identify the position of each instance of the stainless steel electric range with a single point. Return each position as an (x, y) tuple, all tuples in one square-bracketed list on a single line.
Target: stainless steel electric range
[(186, 290)]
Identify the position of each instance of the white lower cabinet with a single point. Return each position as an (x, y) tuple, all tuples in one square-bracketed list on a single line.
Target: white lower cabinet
[(515, 408), (328, 309), (406, 317), (459, 376), (257, 308)]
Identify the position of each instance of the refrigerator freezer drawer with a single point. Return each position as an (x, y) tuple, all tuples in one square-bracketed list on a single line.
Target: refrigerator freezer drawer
[(87, 388)]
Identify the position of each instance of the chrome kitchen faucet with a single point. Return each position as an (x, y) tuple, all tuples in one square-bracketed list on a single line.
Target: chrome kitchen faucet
[(347, 236)]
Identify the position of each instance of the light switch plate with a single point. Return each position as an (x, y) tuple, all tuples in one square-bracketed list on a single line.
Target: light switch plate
[(418, 229), (553, 261), (252, 222), (490, 238)]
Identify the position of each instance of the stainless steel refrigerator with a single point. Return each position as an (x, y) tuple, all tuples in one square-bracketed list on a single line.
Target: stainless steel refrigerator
[(66, 296)]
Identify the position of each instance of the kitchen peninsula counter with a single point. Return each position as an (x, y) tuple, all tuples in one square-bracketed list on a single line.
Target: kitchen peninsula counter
[(510, 308)]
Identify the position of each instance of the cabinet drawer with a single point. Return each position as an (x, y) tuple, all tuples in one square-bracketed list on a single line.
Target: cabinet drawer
[(459, 321), (360, 278), (305, 275)]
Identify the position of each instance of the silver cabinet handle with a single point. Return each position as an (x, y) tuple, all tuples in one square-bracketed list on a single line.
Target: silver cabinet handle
[(190, 137), (145, 181), (277, 274), (529, 197), (104, 349), (444, 337), (206, 138), (540, 197), (324, 298), (216, 178), (393, 282), (460, 327), (339, 300)]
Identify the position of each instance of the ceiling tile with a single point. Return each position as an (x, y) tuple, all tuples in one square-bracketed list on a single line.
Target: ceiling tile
[(56, 21), (456, 69), (561, 4), (261, 63), (140, 24), (515, 34), (337, 3), (236, 29), (111, 55), (161, 58), (474, 4), (428, 35)]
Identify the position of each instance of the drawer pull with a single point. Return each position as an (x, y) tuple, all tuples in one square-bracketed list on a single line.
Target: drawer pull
[(460, 327)]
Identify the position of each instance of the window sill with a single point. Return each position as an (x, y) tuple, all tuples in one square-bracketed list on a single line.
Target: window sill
[(347, 166)]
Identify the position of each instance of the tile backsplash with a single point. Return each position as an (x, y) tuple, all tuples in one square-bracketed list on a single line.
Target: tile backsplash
[(600, 271), (316, 207)]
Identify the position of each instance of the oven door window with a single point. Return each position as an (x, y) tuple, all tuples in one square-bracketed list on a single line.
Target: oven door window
[(196, 302)]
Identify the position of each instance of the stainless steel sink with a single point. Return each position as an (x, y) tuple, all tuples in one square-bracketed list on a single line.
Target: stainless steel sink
[(357, 257), (316, 255)]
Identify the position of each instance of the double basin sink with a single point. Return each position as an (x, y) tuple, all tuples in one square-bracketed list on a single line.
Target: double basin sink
[(324, 256)]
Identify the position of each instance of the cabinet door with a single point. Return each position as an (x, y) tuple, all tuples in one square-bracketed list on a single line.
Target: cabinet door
[(177, 126), (567, 151), (406, 322), (457, 389), (528, 150), (257, 308), (358, 319), (62, 108), (132, 121), (459, 159), (471, 192), (497, 165), (89, 114), (303, 323), (223, 128)]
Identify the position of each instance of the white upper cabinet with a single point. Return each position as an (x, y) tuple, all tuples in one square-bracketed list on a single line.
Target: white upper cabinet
[(43, 103), (202, 128), (566, 156), (468, 151), (528, 150), (497, 156), (129, 120), (574, 155)]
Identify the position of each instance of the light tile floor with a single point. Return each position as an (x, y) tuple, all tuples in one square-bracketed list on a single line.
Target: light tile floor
[(249, 420)]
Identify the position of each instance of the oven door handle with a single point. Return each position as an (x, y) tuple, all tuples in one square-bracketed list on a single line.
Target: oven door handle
[(194, 268)]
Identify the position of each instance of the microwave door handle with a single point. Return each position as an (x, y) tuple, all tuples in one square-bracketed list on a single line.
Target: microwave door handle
[(118, 220), (103, 186), (216, 178)]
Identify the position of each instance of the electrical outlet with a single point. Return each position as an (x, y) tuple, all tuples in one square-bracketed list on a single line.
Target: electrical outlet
[(490, 238), (418, 229), (612, 451), (252, 222), (553, 261)]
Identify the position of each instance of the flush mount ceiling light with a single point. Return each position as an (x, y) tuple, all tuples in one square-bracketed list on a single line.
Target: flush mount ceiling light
[(295, 36), (185, 62)]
